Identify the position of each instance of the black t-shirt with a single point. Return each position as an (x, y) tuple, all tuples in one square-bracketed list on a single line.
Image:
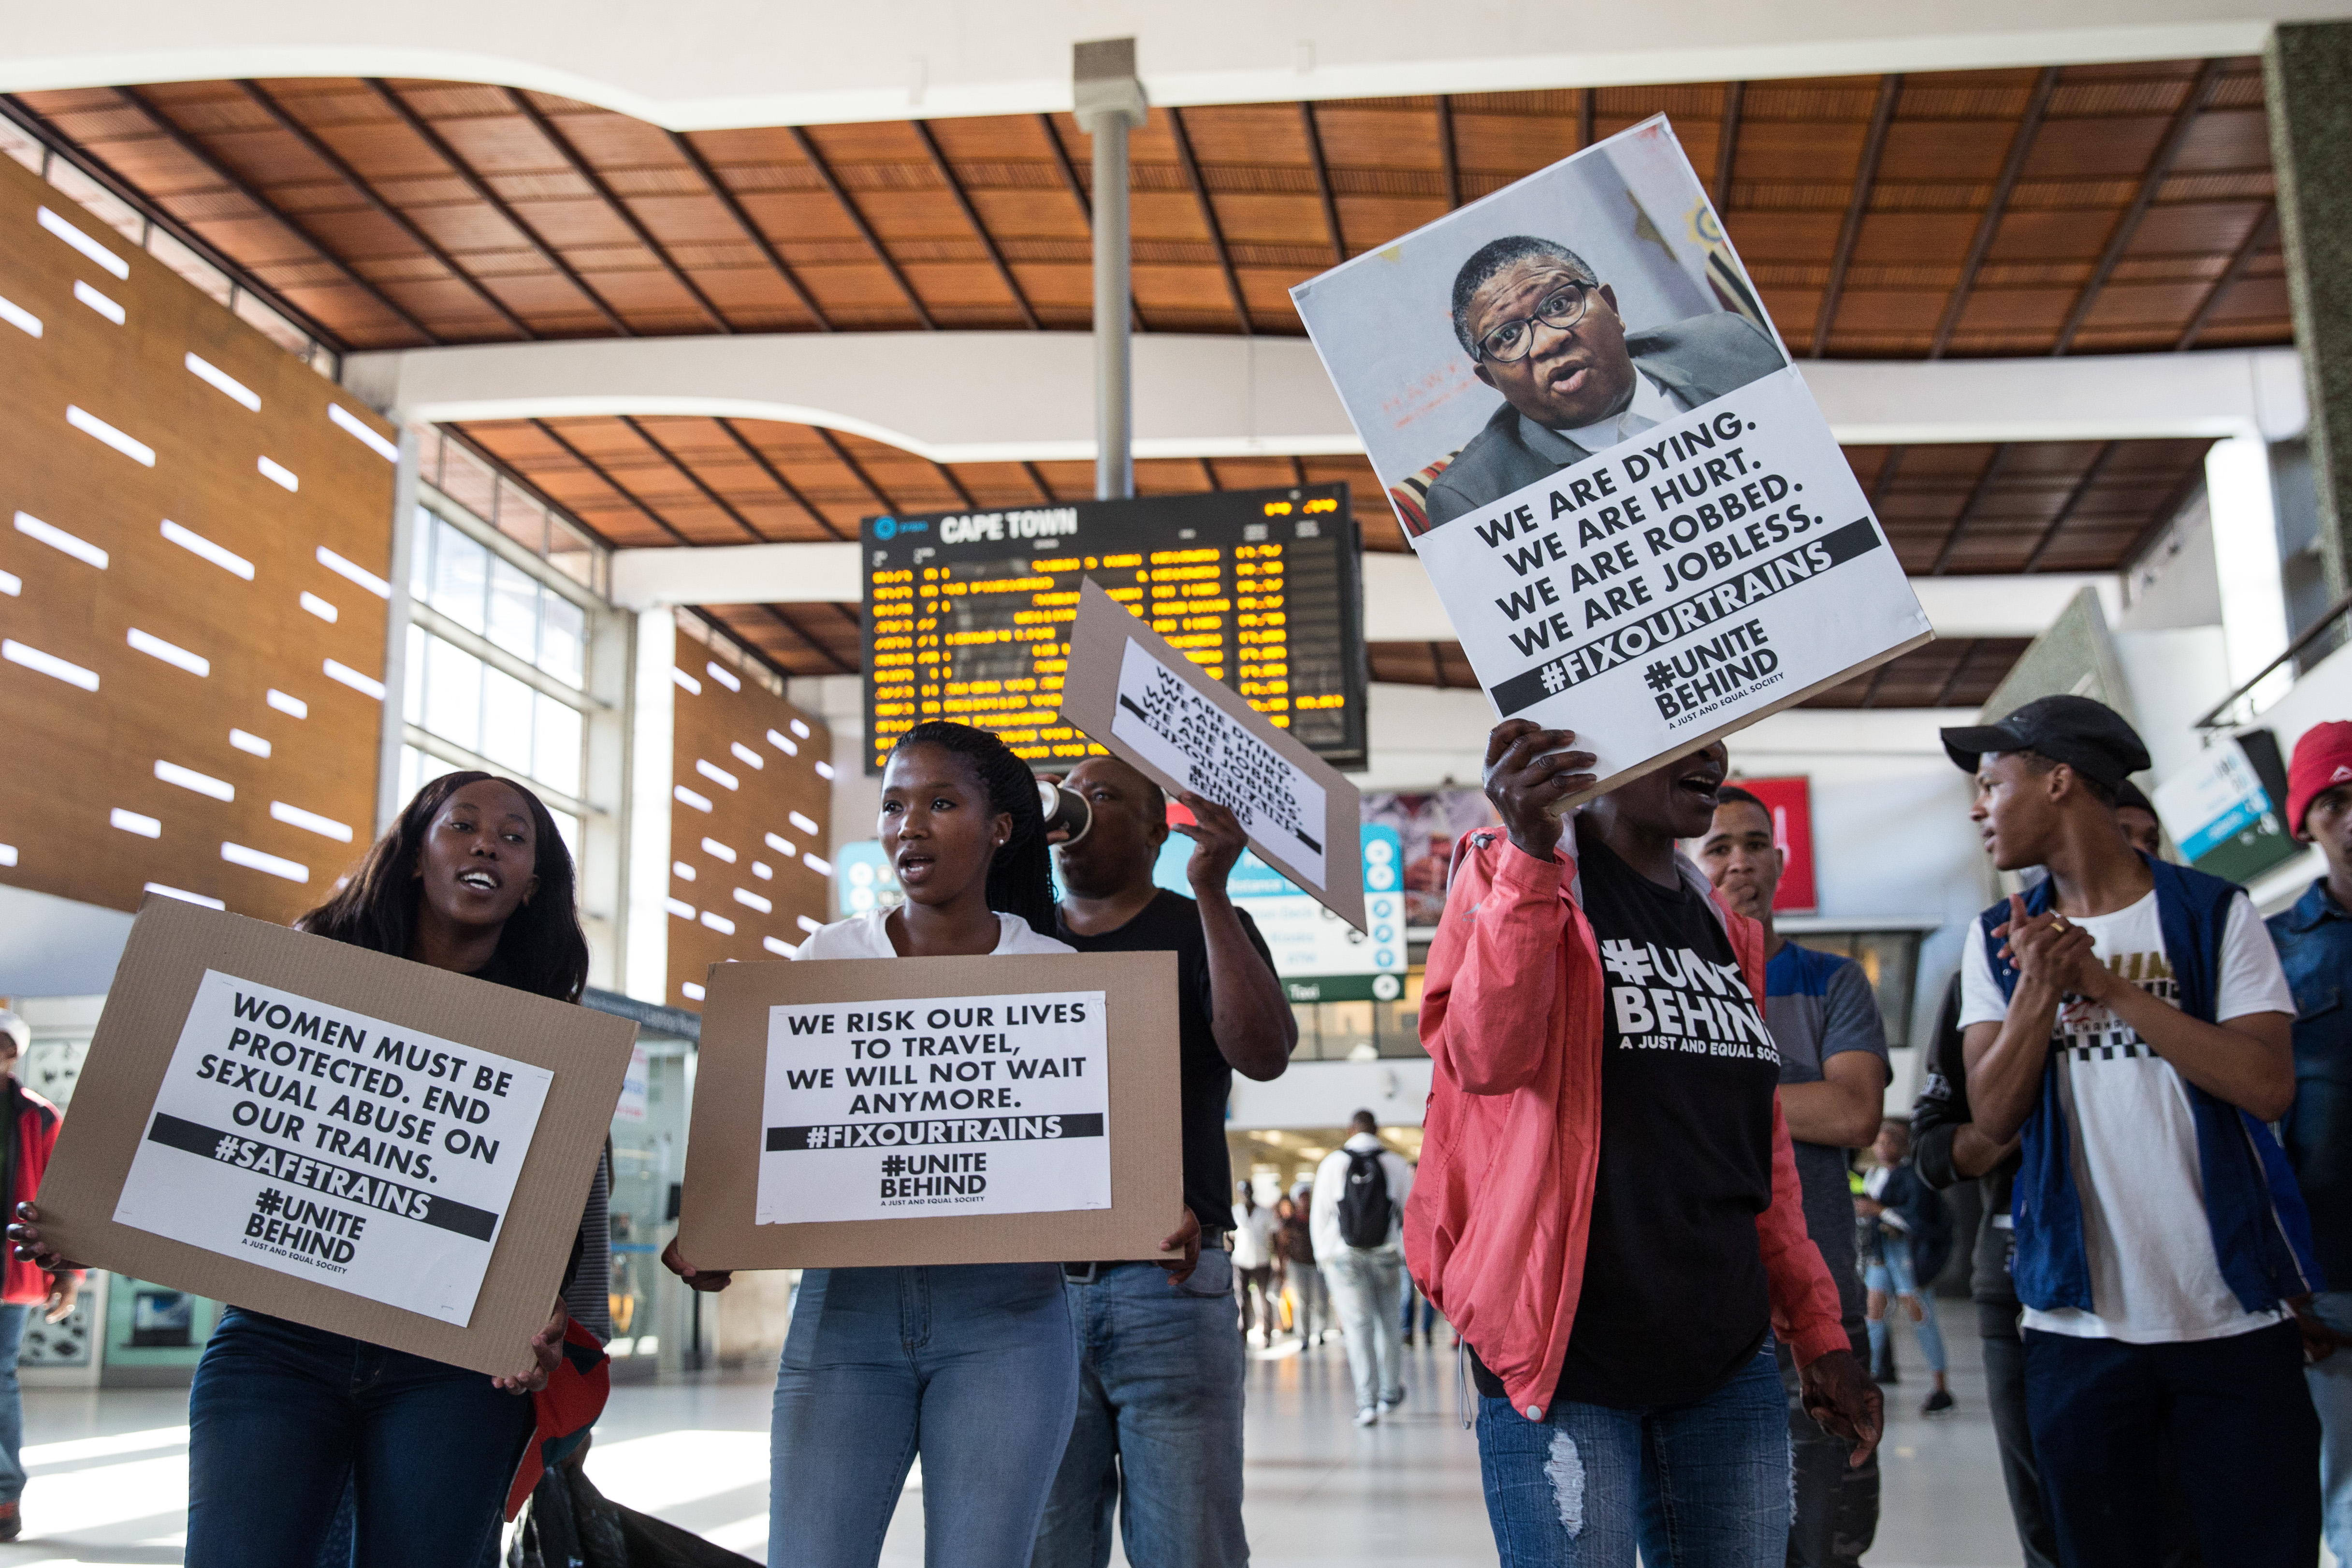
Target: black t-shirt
[(1171, 923), (1674, 1301)]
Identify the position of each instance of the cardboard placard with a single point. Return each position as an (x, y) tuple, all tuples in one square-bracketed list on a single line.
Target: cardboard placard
[(1623, 491), (863, 1113), (1148, 703), (348, 1139)]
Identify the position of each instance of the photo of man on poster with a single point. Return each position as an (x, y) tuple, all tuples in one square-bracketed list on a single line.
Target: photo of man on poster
[(1543, 328)]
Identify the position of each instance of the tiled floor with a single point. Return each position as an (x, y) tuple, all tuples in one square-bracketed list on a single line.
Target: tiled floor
[(109, 1470)]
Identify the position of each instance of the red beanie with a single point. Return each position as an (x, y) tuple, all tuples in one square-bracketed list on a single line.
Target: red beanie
[(2323, 759)]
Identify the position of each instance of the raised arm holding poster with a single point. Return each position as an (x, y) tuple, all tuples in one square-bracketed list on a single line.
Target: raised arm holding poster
[(1132, 692), (1622, 491)]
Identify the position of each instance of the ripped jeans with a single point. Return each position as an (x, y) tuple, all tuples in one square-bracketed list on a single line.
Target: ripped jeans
[(1696, 1486)]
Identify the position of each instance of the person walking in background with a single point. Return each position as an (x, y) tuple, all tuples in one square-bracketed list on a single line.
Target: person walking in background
[(1824, 1019), (1360, 1190), (1302, 1282), (2315, 944), (1254, 1263), (1912, 1244), (1155, 1445), (2130, 1018), (29, 1123)]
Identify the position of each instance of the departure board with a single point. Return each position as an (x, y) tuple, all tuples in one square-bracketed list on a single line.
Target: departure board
[(968, 613)]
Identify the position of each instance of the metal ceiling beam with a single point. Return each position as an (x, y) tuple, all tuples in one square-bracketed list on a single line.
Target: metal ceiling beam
[(205, 160), (1209, 216), (2256, 238), (1959, 667), (726, 197), (857, 471), (546, 127), (283, 118), (1584, 104), (957, 485), (1446, 150), (1878, 678), (439, 146), (1323, 182), (1977, 493), (2020, 147), (1884, 481), (2201, 93), (1037, 478), (1865, 177), (750, 650), (840, 666), (509, 474), (1437, 663), (1210, 474), (1726, 149), (608, 481), (824, 171), (2091, 472), (776, 476), (697, 480), (2166, 511), (1070, 181), (923, 133)]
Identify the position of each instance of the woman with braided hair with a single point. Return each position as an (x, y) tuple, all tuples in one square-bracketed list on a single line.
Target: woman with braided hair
[(974, 1366)]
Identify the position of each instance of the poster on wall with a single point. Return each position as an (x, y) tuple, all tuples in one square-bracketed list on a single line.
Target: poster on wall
[(1623, 493), (1790, 803), (1427, 824), (858, 1112)]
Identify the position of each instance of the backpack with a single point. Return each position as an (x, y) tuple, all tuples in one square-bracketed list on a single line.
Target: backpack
[(1364, 1206)]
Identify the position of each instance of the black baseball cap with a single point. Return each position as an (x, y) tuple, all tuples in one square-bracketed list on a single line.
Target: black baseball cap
[(2129, 793), (2089, 737)]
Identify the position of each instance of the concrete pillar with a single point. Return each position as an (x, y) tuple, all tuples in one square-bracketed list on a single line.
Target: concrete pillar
[(1107, 102), (653, 715), (2307, 82)]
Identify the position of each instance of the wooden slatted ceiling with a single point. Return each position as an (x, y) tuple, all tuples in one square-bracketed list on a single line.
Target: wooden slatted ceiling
[(2083, 209)]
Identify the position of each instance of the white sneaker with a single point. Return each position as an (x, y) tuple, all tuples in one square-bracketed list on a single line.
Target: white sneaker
[(1368, 1416), (1388, 1404)]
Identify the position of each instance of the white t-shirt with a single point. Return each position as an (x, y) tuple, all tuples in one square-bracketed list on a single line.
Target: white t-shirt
[(2132, 1137), (864, 936), (1254, 1231)]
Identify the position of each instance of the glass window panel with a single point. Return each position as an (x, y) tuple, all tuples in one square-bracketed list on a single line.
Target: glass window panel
[(453, 693), (461, 571), (571, 552), (469, 481), (514, 609), (428, 454), (272, 325), (563, 640), (567, 827), (418, 769), (505, 721), (101, 203), (555, 754), (411, 700), (521, 519), (188, 265), (420, 557)]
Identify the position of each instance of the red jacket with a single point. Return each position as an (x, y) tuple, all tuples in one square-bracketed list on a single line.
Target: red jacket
[(37, 1135), (1510, 1013)]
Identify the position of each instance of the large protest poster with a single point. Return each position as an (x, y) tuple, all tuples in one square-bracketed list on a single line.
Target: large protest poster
[(939, 1104), (1621, 489), (1132, 692), (326, 1143), (929, 1110), (339, 1137)]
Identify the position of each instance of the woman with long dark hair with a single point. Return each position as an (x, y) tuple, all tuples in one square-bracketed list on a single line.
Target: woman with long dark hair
[(285, 1419), (973, 1366)]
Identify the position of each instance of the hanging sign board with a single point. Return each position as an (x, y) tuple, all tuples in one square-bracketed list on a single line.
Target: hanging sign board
[(348, 1139), (1621, 489), (1132, 692), (853, 1112)]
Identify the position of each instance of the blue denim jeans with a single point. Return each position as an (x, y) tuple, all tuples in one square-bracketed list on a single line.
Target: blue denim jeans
[(282, 1417), (1367, 1284), (974, 1367), (1696, 1486), (12, 1404), (1891, 1276), (1159, 1427)]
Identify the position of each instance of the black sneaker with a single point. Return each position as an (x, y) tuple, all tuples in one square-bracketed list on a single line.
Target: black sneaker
[(1937, 1404)]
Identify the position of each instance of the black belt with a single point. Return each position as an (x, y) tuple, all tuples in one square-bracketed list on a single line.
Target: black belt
[(1088, 1273)]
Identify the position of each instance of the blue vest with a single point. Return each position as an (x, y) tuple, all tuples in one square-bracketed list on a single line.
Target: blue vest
[(2262, 1234)]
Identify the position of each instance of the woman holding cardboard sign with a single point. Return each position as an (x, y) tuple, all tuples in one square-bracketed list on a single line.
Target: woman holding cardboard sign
[(284, 1419), (976, 1366)]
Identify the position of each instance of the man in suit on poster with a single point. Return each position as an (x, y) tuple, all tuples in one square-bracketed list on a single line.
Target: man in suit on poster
[(1545, 332)]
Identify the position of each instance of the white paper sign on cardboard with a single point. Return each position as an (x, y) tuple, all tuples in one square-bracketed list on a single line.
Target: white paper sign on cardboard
[(1186, 736), (327, 1144), (950, 1105)]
